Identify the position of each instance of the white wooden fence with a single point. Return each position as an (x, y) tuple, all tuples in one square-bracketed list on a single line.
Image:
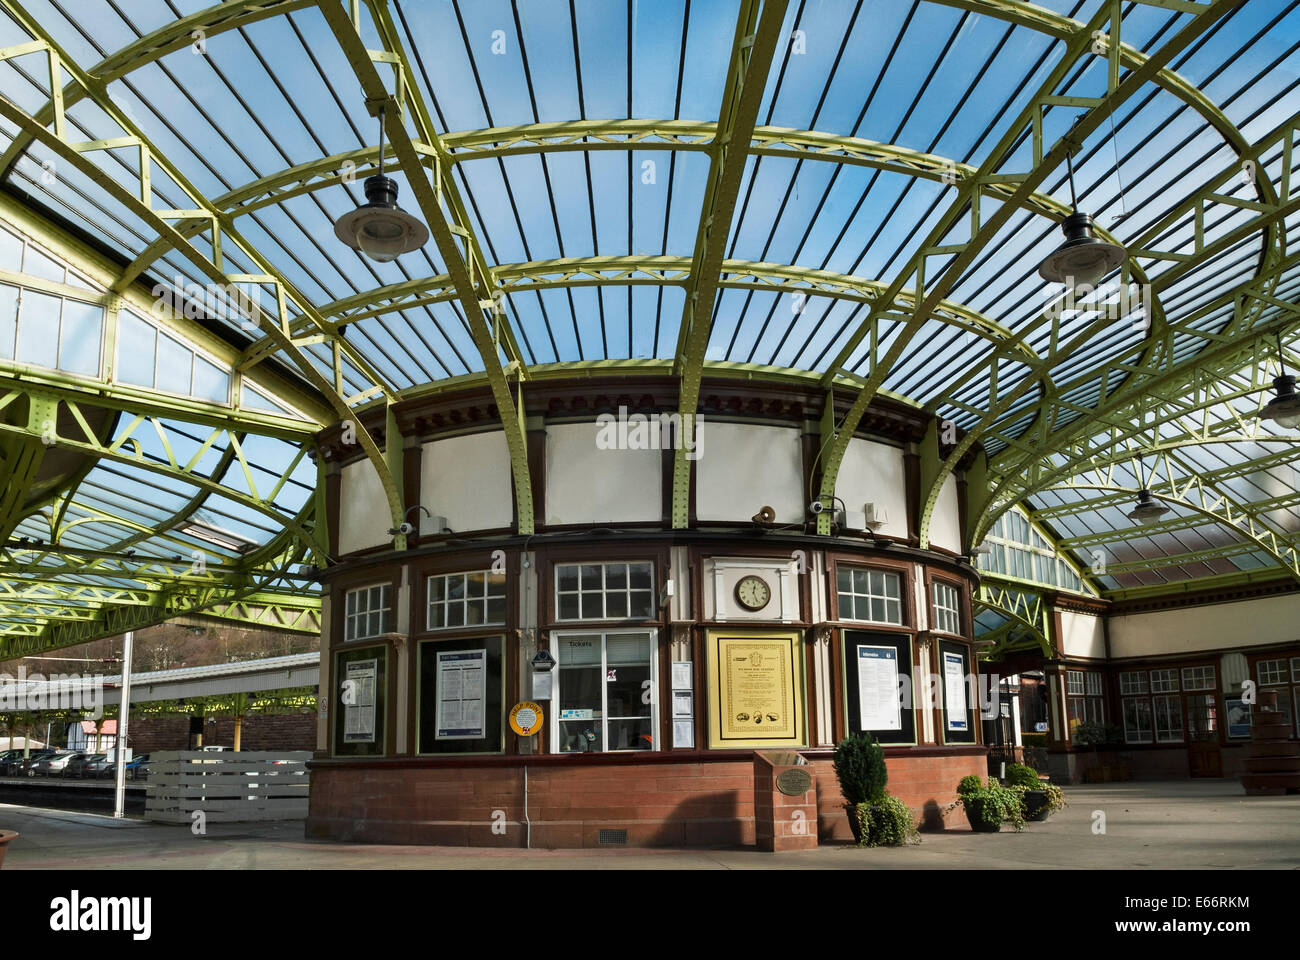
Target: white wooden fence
[(227, 786)]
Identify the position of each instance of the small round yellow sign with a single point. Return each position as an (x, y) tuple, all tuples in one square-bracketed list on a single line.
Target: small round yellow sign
[(526, 718)]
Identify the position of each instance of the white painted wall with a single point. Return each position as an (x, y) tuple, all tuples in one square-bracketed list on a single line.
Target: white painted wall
[(364, 519), (945, 525), (743, 467), (587, 484), (1193, 629), (873, 473), (467, 480), (1082, 635)]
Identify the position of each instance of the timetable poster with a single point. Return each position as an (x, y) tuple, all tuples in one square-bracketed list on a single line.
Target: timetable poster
[(878, 688), (954, 689), (359, 702), (461, 692)]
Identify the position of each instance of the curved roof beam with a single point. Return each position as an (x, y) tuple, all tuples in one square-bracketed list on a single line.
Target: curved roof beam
[(444, 212), (957, 257), (161, 221), (1207, 502), (223, 17), (1147, 399), (653, 271), (1269, 216), (771, 141)]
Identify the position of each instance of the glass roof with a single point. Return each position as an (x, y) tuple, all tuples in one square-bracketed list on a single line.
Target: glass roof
[(579, 150)]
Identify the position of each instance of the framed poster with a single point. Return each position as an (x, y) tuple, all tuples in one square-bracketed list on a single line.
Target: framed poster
[(461, 690), (959, 713), (755, 688), (878, 700), (1237, 712), (360, 701), (460, 696), (878, 688)]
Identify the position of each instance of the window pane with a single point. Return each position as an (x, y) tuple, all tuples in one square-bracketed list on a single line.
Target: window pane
[(435, 588), (135, 349), (38, 329), (79, 337), (174, 363), (846, 606), (641, 606), (591, 577), (8, 320), (210, 383), (37, 264), (496, 610), (843, 580), (616, 576), (568, 606), (616, 605), (567, 577), (641, 576), (11, 252)]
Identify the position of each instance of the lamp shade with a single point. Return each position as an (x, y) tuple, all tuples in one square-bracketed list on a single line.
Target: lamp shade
[(1283, 409), (1147, 510), (1083, 258), (379, 228)]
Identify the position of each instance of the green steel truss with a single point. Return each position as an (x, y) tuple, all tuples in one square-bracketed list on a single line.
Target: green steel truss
[(1193, 382)]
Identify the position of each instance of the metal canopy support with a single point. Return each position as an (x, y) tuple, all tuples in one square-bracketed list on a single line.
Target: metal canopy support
[(139, 202), (468, 271), (957, 257), (752, 50)]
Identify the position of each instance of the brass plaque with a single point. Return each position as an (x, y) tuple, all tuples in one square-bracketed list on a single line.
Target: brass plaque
[(794, 782)]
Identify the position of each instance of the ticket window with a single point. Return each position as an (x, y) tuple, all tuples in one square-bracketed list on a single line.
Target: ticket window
[(605, 692)]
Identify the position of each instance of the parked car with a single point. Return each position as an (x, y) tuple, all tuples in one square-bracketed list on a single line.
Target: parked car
[(101, 768), (54, 763), (18, 765), (137, 768), (81, 766)]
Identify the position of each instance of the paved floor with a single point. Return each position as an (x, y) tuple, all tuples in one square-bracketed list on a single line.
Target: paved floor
[(1187, 825)]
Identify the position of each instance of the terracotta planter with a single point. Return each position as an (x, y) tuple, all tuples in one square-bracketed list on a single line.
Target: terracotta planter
[(5, 837)]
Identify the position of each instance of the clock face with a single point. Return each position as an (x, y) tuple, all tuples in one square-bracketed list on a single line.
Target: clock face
[(753, 593)]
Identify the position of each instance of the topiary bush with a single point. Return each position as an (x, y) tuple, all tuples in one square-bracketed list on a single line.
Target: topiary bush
[(860, 769), (1019, 775), (968, 785), (885, 823)]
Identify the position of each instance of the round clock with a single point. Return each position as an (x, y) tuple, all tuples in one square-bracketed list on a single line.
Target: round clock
[(753, 593)]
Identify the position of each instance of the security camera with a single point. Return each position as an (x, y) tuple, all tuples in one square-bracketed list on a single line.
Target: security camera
[(404, 529), (816, 507)]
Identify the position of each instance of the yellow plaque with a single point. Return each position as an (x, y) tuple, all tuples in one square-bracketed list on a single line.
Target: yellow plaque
[(755, 689), (526, 718)]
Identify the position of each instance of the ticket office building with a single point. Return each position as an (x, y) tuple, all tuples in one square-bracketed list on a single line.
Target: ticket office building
[(676, 653)]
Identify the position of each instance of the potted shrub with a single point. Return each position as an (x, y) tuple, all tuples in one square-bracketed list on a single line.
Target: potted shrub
[(875, 818), (990, 805), (1037, 806)]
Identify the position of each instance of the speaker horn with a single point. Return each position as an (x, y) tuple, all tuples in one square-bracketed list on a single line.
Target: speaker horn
[(765, 515)]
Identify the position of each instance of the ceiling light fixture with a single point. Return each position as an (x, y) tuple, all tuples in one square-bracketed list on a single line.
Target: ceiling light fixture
[(379, 228), (1147, 510), (1084, 258), (1283, 409)]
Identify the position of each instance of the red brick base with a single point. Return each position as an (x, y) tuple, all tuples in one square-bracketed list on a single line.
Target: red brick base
[(696, 799)]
